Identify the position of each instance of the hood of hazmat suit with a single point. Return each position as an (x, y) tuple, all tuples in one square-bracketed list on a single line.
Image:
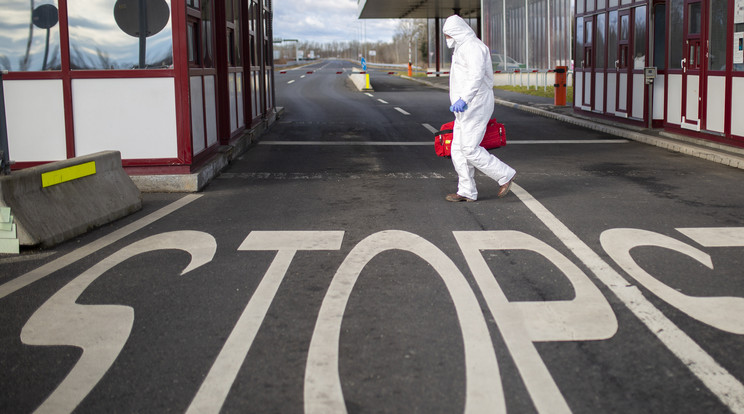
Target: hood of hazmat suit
[(471, 74)]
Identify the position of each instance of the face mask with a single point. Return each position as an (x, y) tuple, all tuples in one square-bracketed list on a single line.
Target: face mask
[(450, 42)]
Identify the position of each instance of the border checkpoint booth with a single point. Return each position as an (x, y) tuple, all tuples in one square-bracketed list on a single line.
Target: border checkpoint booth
[(177, 87)]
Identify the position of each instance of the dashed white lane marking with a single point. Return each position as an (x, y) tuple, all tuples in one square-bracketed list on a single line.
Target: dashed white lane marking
[(369, 94), (382, 101), (292, 81), (401, 111), (77, 254), (718, 380), (430, 128)]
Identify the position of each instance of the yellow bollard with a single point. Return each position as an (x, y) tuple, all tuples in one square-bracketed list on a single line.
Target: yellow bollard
[(366, 78)]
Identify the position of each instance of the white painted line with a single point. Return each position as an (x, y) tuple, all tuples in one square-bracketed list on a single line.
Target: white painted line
[(77, 254), (430, 128), (323, 393), (292, 81), (100, 330), (352, 143), (331, 176), (568, 141), (401, 111), (381, 101), (213, 391), (369, 94), (718, 380), (302, 76)]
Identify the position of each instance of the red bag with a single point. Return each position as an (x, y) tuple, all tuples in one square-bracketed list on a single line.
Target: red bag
[(495, 137)]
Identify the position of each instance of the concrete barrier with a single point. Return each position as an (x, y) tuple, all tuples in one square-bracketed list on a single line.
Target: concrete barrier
[(60, 200), (361, 80)]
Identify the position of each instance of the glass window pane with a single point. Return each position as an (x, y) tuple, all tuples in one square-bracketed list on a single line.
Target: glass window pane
[(105, 34), (738, 45), (599, 42), (612, 40), (29, 40), (695, 18), (579, 39), (659, 36), (676, 41), (717, 37), (640, 36)]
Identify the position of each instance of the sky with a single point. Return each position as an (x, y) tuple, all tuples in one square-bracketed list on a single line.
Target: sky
[(325, 21)]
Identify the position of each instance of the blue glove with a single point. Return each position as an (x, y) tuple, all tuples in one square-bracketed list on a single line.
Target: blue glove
[(459, 106)]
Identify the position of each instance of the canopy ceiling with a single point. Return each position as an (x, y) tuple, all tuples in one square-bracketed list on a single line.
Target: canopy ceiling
[(416, 9)]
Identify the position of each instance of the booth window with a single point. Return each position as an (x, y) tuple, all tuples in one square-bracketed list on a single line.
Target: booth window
[(108, 34), (30, 38), (639, 40), (717, 35), (676, 38)]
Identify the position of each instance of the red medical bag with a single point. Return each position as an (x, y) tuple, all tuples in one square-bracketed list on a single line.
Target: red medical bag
[(495, 137)]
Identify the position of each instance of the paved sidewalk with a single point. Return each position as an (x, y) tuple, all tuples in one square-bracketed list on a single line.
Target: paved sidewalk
[(720, 153)]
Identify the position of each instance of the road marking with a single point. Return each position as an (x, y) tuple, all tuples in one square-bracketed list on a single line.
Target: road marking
[(430, 128), (401, 111), (568, 141), (724, 312), (419, 143), (369, 94), (323, 393), (588, 316), (334, 176), (292, 81), (99, 330), (77, 254), (213, 391), (381, 101), (718, 380), (352, 143)]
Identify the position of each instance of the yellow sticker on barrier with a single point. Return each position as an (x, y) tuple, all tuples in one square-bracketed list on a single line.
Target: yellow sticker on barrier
[(68, 174)]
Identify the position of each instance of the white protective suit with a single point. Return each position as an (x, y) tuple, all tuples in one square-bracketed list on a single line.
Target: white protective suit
[(471, 79)]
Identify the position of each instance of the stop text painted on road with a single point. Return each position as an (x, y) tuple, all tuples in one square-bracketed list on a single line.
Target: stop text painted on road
[(102, 330)]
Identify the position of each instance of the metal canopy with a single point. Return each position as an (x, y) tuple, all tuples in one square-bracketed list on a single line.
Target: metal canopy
[(416, 9)]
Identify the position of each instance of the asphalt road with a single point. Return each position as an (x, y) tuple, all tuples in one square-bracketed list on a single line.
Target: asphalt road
[(324, 272)]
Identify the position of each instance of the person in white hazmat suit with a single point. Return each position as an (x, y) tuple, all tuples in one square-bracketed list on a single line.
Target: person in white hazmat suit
[(471, 96)]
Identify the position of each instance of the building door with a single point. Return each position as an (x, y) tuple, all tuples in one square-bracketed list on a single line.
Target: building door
[(623, 64), (693, 64)]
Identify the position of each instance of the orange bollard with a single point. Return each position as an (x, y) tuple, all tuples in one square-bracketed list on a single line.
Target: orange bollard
[(561, 76), (410, 69)]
